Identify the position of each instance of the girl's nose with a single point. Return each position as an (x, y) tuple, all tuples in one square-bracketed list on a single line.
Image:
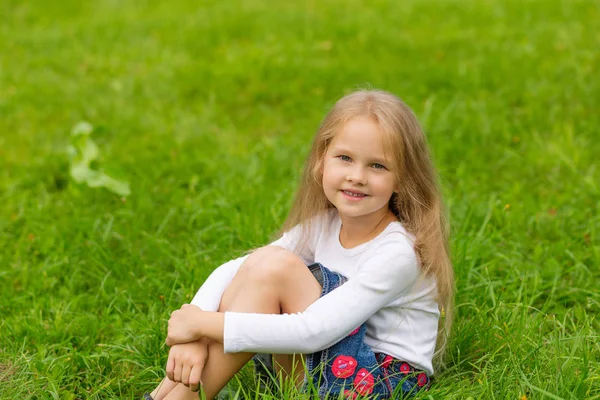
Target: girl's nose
[(358, 176)]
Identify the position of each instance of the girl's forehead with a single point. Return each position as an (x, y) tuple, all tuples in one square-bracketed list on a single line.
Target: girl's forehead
[(362, 135)]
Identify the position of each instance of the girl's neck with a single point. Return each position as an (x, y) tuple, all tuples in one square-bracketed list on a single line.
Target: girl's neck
[(356, 231)]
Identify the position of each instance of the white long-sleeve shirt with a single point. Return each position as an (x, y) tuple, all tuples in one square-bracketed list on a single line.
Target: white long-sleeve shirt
[(384, 288)]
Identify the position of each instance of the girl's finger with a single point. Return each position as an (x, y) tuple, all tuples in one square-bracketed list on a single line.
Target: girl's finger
[(185, 374), (170, 367), (195, 376), (186, 305), (177, 372)]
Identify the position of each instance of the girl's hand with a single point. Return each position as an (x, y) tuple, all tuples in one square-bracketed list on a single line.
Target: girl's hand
[(184, 325), (186, 362)]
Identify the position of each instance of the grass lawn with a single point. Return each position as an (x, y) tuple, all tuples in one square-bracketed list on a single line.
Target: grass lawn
[(208, 108)]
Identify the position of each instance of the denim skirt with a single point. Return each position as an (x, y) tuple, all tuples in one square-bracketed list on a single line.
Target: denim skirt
[(350, 369)]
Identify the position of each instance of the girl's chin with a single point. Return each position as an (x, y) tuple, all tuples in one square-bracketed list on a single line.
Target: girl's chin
[(350, 211)]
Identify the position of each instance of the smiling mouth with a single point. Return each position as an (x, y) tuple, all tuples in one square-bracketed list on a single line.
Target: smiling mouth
[(346, 192)]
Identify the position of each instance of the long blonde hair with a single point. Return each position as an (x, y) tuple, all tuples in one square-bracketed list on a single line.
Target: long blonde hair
[(418, 204)]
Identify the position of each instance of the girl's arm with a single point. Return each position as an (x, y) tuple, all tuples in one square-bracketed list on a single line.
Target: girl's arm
[(383, 277)]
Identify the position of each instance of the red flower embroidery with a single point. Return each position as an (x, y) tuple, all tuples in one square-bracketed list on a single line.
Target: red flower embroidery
[(421, 379), (387, 361), (354, 332), (405, 368), (364, 382), (343, 366), (349, 394)]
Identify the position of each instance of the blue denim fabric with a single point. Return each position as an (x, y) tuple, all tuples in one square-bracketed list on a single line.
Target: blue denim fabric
[(351, 367)]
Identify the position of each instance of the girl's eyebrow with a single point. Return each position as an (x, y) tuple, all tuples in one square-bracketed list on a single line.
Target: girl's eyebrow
[(344, 150)]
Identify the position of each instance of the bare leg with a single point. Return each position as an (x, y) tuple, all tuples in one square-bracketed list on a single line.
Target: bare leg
[(165, 387), (271, 281), (289, 365)]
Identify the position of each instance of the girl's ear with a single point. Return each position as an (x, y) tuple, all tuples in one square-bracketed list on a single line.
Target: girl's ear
[(317, 171), (319, 167)]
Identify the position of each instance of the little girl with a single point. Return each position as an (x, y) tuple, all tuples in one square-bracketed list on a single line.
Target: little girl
[(354, 287)]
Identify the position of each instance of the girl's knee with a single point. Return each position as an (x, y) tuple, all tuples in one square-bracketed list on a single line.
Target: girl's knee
[(271, 262), (264, 253)]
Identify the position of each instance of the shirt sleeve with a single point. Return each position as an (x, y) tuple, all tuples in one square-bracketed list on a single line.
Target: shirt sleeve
[(382, 278), (208, 297)]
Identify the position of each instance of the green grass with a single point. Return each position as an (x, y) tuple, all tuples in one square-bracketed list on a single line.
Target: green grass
[(208, 109)]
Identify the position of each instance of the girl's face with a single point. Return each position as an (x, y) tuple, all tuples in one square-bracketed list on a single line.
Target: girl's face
[(357, 177)]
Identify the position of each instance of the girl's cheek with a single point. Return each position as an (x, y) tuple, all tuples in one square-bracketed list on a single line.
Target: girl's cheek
[(337, 173)]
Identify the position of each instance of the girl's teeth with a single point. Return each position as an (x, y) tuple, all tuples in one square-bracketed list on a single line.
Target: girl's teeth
[(353, 194)]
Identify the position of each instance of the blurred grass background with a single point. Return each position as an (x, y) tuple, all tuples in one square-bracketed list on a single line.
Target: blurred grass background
[(208, 110)]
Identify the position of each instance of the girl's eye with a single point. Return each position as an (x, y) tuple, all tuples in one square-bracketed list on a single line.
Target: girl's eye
[(344, 158), (378, 166)]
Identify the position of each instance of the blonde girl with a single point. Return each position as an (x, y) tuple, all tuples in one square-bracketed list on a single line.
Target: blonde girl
[(354, 287)]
